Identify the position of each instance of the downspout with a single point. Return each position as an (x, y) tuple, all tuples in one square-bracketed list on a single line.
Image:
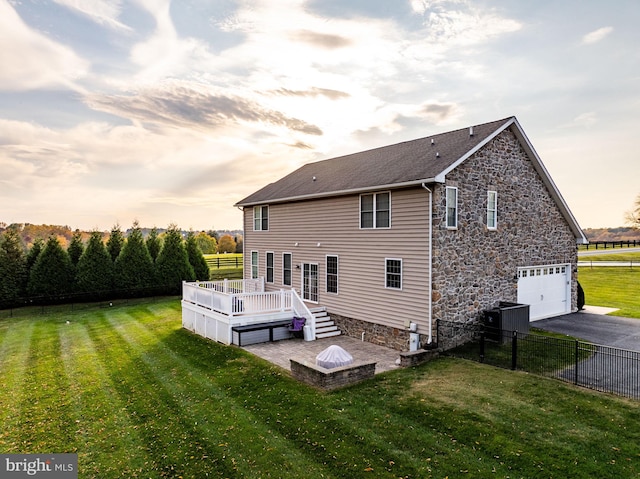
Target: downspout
[(430, 261)]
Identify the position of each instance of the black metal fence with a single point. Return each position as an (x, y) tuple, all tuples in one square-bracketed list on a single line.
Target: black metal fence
[(601, 368)]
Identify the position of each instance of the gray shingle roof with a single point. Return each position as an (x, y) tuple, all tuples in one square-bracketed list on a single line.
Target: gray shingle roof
[(409, 162)]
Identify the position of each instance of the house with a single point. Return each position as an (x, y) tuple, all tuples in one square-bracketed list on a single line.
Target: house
[(442, 227)]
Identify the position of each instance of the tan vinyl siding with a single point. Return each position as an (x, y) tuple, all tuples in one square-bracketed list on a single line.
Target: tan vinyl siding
[(335, 224)]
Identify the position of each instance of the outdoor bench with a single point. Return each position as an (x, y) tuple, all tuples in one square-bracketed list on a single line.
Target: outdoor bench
[(261, 332)]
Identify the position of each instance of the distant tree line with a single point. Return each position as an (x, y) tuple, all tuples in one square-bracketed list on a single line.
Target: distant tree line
[(95, 269)]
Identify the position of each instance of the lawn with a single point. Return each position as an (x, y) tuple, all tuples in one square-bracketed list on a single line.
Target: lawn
[(626, 257), (612, 287), (137, 396), (224, 266)]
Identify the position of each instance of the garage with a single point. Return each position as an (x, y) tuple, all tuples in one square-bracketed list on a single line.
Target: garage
[(547, 289)]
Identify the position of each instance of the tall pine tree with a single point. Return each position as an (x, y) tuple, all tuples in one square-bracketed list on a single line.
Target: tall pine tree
[(53, 273), (172, 266), (153, 244), (115, 242), (76, 247), (95, 268), (134, 266), (199, 264), (13, 267)]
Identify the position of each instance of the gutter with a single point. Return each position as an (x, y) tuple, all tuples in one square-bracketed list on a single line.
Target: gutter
[(430, 263), (363, 189)]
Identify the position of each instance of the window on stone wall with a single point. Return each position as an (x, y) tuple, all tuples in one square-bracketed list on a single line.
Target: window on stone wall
[(452, 207), (492, 210)]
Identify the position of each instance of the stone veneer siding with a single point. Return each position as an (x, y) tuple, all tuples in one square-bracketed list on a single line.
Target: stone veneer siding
[(375, 333), (473, 267), (330, 379)]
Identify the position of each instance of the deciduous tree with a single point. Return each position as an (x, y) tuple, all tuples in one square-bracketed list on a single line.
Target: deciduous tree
[(632, 217), (226, 244), (207, 243)]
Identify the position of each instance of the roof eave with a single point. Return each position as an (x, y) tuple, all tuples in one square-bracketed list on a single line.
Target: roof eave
[(437, 179)]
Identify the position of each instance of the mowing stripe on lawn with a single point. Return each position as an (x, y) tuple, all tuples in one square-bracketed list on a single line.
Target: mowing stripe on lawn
[(236, 427), (44, 398), (105, 435), (14, 356), (172, 446)]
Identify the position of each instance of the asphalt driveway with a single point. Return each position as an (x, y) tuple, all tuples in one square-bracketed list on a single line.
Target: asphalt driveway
[(609, 370), (614, 331)]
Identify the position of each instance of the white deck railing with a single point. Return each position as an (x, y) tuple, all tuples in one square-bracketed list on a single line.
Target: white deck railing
[(245, 298)]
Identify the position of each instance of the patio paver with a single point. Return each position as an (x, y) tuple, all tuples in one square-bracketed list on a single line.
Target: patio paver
[(280, 352)]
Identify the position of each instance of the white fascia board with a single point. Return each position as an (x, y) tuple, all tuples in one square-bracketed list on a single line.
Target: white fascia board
[(328, 194), (475, 149)]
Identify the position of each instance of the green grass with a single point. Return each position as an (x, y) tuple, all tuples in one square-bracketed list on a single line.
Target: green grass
[(626, 257), (137, 396), (223, 266), (612, 287)]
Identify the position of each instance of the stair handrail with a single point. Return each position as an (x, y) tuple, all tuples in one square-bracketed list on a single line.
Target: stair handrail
[(300, 309)]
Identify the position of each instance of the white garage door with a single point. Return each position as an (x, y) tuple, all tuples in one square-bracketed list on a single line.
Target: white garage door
[(547, 289)]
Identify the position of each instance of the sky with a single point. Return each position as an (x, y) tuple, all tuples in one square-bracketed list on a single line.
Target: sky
[(113, 111)]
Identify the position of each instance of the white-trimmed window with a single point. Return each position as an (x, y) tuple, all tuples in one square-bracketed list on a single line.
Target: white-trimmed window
[(269, 267), (286, 269), (375, 210), (393, 273), (332, 274), (254, 264), (452, 207), (492, 210), (260, 218)]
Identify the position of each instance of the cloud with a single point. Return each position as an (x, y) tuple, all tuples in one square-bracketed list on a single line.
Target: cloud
[(312, 92), (596, 35), (323, 40), (439, 112), (30, 60), (103, 12), (453, 23), (189, 105)]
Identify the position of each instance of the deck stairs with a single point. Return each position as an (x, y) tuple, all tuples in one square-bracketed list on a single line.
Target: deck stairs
[(325, 327)]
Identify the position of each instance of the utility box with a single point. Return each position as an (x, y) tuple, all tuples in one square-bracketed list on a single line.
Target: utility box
[(501, 321)]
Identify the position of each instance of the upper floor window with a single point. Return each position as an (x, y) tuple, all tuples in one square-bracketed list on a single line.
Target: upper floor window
[(452, 207), (260, 218), (492, 210), (375, 210)]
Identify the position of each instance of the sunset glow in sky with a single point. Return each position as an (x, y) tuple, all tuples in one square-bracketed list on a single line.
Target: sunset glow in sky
[(160, 111)]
